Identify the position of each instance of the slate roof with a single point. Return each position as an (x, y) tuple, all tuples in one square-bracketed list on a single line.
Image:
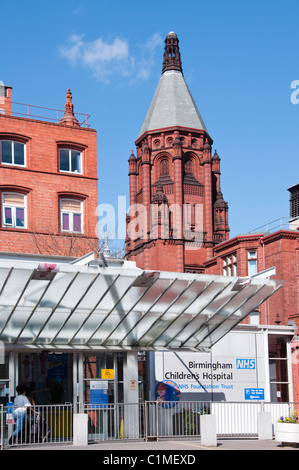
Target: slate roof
[(172, 105)]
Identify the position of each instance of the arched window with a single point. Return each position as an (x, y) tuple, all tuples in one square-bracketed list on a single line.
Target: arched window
[(164, 167), (189, 167)]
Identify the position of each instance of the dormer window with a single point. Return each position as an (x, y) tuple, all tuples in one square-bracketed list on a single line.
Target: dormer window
[(12, 153), (70, 161)]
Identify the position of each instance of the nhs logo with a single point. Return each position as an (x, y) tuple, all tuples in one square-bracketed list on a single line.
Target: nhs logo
[(245, 363)]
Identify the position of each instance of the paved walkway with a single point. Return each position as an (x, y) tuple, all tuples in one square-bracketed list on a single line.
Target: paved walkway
[(179, 446)]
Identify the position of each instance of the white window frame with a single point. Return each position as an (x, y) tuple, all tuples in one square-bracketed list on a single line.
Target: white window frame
[(71, 214), (13, 142), (254, 317), (251, 257), (230, 265), (70, 150), (14, 208)]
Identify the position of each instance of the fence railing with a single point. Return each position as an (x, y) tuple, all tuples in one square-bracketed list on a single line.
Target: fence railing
[(31, 111), (169, 419), (148, 420), (37, 424), (1, 427), (153, 420), (242, 418), (115, 421)]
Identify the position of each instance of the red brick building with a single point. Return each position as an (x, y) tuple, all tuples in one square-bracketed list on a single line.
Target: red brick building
[(246, 255), (48, 183), (175, 166), (177, 212)]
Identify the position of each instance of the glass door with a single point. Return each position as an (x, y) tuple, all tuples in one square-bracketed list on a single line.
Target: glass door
[(99, 378), (4, 381), (47, 376), (103, 390)]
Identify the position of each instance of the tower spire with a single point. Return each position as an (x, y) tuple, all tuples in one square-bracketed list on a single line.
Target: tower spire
[(69, 118), (172, 56)]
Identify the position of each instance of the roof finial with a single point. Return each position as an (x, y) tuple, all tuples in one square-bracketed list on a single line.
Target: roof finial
[(172, 56), (69, 117), (106, 249)]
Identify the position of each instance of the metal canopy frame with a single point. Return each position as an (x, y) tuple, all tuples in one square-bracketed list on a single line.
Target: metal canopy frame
[(75, 306)]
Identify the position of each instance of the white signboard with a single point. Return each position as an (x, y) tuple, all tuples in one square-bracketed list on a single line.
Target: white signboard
[(235, 364)]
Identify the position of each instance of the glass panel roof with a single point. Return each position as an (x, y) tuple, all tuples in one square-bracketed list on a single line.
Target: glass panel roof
[(109, 307)]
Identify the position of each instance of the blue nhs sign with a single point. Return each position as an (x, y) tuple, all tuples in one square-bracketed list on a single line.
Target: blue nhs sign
[(245, 363)]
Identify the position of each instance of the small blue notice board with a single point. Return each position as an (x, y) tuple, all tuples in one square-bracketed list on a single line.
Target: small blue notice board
[(99, 393), (254, 394)]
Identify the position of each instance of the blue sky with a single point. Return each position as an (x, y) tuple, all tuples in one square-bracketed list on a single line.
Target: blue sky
[(239, 59)]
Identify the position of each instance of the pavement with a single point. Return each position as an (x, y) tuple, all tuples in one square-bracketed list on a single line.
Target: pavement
[(178, 447)]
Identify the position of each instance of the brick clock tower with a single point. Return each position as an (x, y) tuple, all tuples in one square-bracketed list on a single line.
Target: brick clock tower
[(177, 211)]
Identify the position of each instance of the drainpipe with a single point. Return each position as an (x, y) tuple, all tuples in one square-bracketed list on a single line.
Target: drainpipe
[(264, 268), (267, 371), (295, 363)]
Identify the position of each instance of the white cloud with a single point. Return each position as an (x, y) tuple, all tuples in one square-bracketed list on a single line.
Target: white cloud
[(74, 51), (111, 58), (147, 59), (102, 58), (99, 51)]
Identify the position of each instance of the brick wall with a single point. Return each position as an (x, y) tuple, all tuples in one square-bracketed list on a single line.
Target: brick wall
[(198, 186), (43, 184), (279, 250)]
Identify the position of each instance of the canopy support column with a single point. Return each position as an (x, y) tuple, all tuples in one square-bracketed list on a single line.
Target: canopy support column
[(78, 395), (13, 368), (131, 414)]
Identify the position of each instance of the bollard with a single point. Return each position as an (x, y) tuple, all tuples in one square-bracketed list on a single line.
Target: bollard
[(208, 430), (80, 429), (264, 425)]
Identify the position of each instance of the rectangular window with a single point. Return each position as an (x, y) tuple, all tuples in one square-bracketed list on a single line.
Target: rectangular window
[(12, 153), (278, 368), (20, 217), (65, 222), (6, 152), (14, 210), (77, 222), (7, 215), (252, 263), (230, 265), (254, 318), (71, 215), (70, 161)]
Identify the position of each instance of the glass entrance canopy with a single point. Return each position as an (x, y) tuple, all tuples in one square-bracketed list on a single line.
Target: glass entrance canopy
[(49, 305)]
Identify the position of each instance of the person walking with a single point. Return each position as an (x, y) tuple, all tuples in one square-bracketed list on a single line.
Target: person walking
[(21, 404)]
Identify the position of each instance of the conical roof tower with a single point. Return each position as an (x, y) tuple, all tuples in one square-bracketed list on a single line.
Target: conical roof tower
[(172, 104), (174, 181)]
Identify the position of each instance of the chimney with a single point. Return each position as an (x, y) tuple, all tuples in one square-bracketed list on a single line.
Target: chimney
[(5, 99), (294, 207)]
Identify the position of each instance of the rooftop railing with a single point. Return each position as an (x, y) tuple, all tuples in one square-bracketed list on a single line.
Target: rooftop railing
[(283, 223), (31, 111)]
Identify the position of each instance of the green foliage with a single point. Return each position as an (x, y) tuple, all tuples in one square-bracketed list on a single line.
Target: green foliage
[(292, 418), (190, 420)]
